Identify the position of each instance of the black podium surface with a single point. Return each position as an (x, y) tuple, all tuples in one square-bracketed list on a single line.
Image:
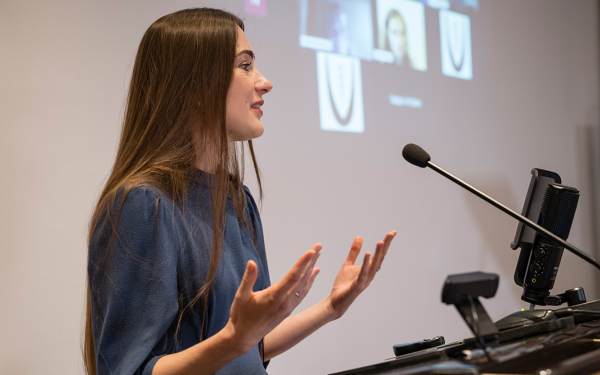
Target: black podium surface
[(566, 346)]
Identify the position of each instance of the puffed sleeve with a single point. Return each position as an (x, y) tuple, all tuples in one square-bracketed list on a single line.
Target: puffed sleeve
[(134, 290)]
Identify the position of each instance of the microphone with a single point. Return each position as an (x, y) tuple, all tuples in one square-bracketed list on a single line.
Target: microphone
[(415, 155), (419, 157), (556, 215)]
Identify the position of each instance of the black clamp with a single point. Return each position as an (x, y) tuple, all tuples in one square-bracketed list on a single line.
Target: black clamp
[(571, 297), (462, 290)]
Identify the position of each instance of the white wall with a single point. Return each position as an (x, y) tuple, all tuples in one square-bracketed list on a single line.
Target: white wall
[(64, 70)]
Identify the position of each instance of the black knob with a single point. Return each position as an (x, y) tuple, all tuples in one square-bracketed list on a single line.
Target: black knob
[(539, 253), (535, 268)]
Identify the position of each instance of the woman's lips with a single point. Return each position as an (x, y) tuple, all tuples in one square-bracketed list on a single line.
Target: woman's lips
[(256, 107)]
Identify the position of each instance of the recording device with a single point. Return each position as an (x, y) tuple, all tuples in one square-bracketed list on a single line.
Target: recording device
[(524, 237), (553, 206), (411, 347)]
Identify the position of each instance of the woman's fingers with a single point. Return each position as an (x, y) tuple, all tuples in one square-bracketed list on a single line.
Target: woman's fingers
[(315, 272), (382, 249), (295, 275), (310, 266), (263, 310), (380, 252), (354, 251), (364, 269), (388, 240), (248, 280), (310, 282), (299, 289), (306, 288), (377, 259)]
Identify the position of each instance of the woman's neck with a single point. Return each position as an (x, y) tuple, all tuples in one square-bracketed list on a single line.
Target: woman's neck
[(206, 165), (207, 158)]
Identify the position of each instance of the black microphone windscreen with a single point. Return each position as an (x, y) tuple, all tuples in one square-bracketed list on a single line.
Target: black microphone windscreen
[(415, 155), (558, 209)]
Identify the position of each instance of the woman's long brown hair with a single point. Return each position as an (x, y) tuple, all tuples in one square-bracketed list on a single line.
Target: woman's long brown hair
[(175, 110)]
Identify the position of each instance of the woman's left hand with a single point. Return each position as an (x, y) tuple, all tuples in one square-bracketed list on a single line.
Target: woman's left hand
[(352, 279)]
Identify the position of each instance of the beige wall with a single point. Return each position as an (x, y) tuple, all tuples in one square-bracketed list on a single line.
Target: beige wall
[(64, 68)]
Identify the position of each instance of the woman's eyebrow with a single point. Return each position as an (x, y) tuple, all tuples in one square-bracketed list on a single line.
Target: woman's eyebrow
[(247, 52)]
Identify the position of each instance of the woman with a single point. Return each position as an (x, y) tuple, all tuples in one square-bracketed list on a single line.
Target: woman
[(178, 276), (395, 38)]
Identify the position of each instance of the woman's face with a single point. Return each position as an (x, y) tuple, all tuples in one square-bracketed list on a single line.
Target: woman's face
[(244, 99), (396, 34)]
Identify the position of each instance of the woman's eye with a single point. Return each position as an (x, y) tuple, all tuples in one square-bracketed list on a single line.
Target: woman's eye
[(246, 66)]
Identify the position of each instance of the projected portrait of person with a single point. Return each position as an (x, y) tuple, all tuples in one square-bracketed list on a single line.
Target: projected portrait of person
[(337, 30), (339, 26), (401, 34), (395, 38)]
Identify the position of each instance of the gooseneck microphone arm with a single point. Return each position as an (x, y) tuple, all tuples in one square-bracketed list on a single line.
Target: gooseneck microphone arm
[(543, 231), (417, 156)]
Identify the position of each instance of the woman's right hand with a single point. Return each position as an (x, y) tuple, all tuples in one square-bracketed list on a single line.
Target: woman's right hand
[(254, 314)]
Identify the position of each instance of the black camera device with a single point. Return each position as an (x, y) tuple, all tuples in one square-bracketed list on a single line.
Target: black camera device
[(552, 206)]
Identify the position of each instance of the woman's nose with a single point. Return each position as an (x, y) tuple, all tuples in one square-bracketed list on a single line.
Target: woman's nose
[(263, 85)]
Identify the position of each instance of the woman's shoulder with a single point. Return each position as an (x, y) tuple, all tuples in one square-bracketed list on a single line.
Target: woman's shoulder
[(139, 220), (251, 205), (252, 210), (141, 198), (135, 207), (249, 197), (145, 204), (140, 193)]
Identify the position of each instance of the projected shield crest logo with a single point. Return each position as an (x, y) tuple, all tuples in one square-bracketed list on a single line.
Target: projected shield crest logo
[(456, 42), (455, 38), (340, 93)]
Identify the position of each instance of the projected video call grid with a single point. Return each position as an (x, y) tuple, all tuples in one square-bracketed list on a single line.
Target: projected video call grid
[(347, 34)]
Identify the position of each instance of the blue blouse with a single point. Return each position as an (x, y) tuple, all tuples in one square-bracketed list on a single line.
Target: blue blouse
[(161, 259)]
